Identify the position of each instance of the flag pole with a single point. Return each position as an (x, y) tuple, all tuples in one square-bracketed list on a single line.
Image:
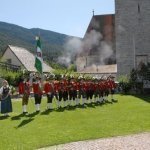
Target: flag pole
[(39, 58)]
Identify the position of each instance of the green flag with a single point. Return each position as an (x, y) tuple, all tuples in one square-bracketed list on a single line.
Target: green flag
[(38, 57)]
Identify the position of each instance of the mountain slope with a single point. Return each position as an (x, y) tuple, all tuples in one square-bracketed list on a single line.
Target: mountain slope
[(52, 42)]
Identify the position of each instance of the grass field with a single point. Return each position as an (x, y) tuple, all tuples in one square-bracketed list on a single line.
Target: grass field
[(130, 115)]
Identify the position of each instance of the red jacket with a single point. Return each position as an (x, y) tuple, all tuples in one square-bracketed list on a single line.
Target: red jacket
[(107, 85), (112, 84), (78, 86), (37, 89), (101, 87), (24, 87), (95, 86), (56, 86), (73, 85), (48, 88), (84, 86)]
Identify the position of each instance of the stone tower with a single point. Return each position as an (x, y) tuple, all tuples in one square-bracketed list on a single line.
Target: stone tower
[(132, 28)]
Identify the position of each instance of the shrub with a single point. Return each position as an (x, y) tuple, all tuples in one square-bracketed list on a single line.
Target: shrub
[(11, 77)]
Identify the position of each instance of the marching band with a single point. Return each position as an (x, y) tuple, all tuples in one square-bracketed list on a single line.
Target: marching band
[(66, 91)]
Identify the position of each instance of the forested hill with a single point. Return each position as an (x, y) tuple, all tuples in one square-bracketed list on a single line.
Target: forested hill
[(52, 42)]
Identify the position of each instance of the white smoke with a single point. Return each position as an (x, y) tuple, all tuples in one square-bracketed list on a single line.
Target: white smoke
[(93, 41), (105, 51), (72, 47), (65, 60)]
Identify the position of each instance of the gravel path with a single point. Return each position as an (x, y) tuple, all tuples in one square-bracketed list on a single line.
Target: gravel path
[(131, 142)]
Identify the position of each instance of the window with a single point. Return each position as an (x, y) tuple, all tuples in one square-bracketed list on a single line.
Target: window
[(9, 61)]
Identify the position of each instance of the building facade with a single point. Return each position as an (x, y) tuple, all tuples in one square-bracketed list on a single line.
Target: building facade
[(132, 32), (128, 33), (98, 43), (21, 57)]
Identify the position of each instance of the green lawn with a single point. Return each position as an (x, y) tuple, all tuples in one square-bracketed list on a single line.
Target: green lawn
[(130, 115)]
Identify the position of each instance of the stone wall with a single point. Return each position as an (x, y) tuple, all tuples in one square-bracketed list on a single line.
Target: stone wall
[(86, 61), (132, 27)]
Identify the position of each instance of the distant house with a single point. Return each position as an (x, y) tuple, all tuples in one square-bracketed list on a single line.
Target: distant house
[(21, 57), (100, 70)]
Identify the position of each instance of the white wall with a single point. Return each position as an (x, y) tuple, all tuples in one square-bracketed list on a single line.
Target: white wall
[(10, 55)]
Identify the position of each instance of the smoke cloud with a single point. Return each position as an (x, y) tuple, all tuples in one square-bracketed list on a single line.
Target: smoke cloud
[(93, 42), (72, 47), (105, 52)]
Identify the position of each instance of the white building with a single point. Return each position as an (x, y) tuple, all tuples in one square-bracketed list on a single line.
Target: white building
[(23, 58)]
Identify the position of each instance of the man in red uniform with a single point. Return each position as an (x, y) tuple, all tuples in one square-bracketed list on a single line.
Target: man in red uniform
[(56, 84), (96, 90), (101, 91), (65, 90), (107, 89), (49, 91), (82, 91), (112, 86), (90, 90), (72, 91), (37, 90), (24, 90), (78, 90)]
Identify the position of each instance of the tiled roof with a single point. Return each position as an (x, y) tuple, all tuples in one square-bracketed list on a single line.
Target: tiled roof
[(101, 69), (101, 19), (27, 59)]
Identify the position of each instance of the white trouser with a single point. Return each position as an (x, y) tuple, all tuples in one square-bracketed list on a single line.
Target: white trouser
[(5, 114), (65, 103), (24, 108), (90, 101), (69, 102), (83, 101), (49, 105), (37, 107), (77, 101), (58, 103), (101, 99)]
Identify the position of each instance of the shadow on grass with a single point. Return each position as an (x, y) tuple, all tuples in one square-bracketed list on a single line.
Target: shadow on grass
[(91, 105), (33, 114), (18, 117), (46, 112), (81, 106), (24, 122), (70, 108), (98, 104), (61, 109), (143, 97), (114, 101), (4, 117)]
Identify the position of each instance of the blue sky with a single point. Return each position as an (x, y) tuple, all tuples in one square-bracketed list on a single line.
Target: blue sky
[(64, 16)]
